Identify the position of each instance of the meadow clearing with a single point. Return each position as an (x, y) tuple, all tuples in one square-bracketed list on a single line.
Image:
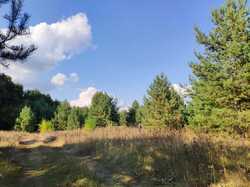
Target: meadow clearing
[(121, 156)]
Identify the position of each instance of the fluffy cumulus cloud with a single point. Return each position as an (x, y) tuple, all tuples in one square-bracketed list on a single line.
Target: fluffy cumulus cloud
[(56, 42), (181, 89), (60, 79), (85, 97)]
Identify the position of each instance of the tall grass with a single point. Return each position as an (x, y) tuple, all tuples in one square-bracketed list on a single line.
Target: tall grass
[(152, 157)]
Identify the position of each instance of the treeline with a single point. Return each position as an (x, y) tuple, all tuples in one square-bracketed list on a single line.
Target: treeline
[(33, 111), (219, 97)]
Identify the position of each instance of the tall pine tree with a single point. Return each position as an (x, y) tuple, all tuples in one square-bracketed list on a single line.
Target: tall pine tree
[(104, 109), (162, 106), (221, 86)]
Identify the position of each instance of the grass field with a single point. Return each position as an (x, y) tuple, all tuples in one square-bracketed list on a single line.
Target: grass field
[(123, 157)]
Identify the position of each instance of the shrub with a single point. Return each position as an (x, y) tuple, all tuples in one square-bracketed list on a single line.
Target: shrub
[(90, 123), (46, 126)]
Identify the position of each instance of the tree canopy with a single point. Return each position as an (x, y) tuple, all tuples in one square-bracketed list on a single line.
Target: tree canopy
[(221, 83), (11, 99)]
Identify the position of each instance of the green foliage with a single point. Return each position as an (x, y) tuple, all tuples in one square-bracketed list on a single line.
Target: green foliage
[(222, 76), (163, 107), (90, 123), (73, 121), (25, 121), (103, 109), (223, 120), (46, 126), (123, 116), (10, 102), (42, 105), (82, 114), (60, 119), (134, 114)]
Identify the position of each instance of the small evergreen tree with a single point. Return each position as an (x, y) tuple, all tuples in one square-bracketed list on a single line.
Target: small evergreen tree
[(123, 118), (73, 120), (25, 121), (162, 106), (82, 114), (60, 119), (134, 114), (103, 108)]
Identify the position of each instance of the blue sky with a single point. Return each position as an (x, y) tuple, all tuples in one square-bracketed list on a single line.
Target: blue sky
[(131, 42)]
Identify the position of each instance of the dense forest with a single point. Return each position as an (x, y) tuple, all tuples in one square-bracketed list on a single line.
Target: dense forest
[(219, 96)]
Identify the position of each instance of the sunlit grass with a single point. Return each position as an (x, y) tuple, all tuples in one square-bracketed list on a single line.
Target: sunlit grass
[(126, 157)]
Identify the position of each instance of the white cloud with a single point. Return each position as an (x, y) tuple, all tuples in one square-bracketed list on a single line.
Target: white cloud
[(123, 106), (60, 79), (85, 97), (56, 42), (181, 89)]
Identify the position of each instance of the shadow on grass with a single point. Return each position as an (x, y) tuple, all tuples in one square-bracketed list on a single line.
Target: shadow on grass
[(161, 161)]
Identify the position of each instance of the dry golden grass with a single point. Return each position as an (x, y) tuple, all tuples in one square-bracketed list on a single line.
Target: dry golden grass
[(13, 138), (120, 156)]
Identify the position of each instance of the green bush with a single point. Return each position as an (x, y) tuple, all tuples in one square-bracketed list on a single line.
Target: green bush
[(46, 126), (90, 123)]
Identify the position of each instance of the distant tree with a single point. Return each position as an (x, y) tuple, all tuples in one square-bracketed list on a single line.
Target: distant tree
[(42, 105), (134, 114), (73, 121), (103, 108), (60, 119), (25, 121), (82, 113), (11, 96), (17, 26), (221, 83), (162, 105), (123, 118)]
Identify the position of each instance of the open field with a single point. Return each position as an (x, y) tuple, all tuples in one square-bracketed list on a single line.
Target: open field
[(123, 157)]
